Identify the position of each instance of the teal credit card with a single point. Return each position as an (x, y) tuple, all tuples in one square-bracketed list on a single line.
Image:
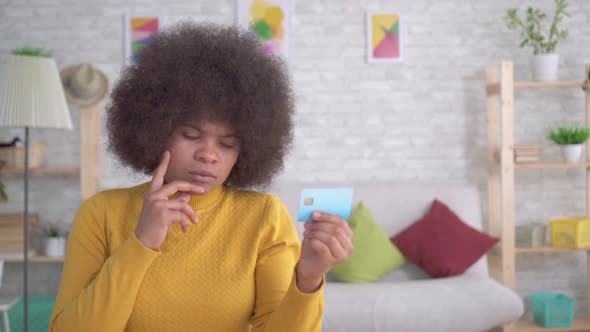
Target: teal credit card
[(331, 200)]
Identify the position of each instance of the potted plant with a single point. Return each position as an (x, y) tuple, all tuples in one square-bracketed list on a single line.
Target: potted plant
[(545, 61), (571, 139), (55, 242)]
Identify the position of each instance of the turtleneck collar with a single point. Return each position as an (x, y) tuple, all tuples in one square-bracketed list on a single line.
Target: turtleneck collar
[(200, 202)]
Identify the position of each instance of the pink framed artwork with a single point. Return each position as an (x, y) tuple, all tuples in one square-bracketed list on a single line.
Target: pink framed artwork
[(384, 37)]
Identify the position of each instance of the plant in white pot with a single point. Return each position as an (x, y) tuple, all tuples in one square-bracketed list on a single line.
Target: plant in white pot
[(545, 61), (55, 241), (571, 139)]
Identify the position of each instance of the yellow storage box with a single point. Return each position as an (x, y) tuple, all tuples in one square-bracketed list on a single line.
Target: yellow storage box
[(570, 232)]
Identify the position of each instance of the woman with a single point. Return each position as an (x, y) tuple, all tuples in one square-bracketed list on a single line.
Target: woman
[(208, 115)]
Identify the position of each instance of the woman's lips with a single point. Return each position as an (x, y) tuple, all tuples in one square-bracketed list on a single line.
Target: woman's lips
[(202, 176)]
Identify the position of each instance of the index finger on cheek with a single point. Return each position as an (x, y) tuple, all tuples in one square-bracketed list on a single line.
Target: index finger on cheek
[(160, 172)]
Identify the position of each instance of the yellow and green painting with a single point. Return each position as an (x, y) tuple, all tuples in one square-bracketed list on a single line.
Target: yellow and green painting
[(269, 20)]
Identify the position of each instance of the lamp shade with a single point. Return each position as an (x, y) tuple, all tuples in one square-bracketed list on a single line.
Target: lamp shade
[(31, 93)]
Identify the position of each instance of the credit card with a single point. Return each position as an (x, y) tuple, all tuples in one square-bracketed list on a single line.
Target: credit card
[(331, 200)]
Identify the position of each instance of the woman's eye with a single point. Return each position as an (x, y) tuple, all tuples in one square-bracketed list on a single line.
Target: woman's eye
[(227, 145), (187, 136)]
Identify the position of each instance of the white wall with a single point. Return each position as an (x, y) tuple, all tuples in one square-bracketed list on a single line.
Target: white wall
[(423, 119)]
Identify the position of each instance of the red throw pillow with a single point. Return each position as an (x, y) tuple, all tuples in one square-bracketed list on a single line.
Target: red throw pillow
[(441, 243)]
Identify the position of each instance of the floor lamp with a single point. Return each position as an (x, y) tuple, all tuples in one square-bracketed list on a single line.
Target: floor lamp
[(31, 96)]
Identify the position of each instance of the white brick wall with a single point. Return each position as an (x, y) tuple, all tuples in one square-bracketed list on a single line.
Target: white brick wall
[(423, 119)]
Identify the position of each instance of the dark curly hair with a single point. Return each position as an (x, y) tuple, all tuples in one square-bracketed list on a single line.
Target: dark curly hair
[(204, 71)]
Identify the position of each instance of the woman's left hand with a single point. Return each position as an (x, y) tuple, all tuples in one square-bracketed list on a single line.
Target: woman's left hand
[(327, 241)]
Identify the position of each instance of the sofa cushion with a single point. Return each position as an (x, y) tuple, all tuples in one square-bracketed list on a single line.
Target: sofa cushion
[(374, 254), (441, 243), (464, 303)]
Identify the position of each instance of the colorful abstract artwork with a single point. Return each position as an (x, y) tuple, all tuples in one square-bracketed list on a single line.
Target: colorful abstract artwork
[(269, 20), (384, 37), (139, 30)]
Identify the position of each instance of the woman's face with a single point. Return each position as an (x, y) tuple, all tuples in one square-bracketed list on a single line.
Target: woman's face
[(202, 153)]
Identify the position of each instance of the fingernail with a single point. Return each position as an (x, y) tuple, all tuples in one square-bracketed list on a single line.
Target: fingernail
[(317, 214)]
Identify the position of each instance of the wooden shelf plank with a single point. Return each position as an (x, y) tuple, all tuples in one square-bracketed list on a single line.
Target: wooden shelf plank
[(550, 84), (551, 165), (530, 326), (35, 259), (43, 170), (532, 250)]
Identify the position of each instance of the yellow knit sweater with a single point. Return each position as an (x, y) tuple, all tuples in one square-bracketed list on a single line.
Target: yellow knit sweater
[(233, 271)]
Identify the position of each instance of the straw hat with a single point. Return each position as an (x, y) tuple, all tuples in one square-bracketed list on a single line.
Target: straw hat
[(83, 84)]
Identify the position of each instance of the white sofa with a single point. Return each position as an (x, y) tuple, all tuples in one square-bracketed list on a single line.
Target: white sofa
[(408, 300)]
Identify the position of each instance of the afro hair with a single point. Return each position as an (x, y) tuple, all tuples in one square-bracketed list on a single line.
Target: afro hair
[(194, 71)]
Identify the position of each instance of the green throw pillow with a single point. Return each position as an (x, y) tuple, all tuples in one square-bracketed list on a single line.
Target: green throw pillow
[(374, 254)]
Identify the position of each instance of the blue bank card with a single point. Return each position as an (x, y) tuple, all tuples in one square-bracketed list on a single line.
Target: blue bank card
[(331, 200)]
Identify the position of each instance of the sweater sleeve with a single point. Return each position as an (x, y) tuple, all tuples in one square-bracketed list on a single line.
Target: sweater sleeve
[(98, 291), (280, 305)]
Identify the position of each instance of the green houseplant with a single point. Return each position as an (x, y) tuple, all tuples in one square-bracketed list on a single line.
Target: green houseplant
[(543, 41), (571, 139), (31, 52), (55, 241)]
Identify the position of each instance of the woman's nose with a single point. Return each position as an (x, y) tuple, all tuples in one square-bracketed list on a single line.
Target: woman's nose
[(206, 153)]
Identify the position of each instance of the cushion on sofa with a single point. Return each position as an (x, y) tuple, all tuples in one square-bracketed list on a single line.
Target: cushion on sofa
[(374, 254), (441, 243)]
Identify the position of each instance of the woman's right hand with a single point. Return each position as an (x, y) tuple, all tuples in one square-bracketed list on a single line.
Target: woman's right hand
[(159, 212)]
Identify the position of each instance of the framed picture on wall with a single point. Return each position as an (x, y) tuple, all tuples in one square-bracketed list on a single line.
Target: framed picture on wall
[(139, 29), (270, 20), (384, 37)]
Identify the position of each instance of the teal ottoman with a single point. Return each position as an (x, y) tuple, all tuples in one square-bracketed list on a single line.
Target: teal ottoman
[(40, 309)]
